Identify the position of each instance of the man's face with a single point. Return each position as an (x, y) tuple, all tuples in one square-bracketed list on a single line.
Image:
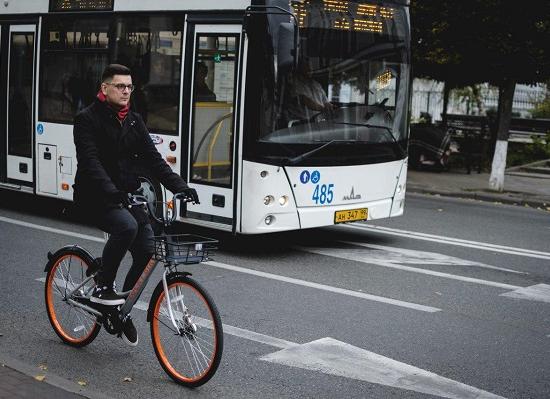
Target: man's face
[(116, 97)]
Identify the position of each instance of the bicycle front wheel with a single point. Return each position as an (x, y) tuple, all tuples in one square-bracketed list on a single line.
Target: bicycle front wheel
[(189, 352), (73, 325)]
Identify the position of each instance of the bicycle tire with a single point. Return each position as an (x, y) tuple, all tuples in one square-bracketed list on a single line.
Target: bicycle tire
[(79, 328), (202, 338)]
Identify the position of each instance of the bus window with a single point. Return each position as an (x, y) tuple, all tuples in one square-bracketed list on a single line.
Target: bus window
[(74, 54), (213, 91), (20, 94), (151, 48)]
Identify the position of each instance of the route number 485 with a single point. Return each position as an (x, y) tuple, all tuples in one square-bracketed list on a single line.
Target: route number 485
[(323, 194)]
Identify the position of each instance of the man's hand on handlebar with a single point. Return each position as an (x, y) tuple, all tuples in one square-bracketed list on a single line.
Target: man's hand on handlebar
[(190, 194), (119, 197)]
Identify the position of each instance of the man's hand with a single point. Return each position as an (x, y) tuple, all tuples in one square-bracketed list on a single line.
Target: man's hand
[(119, 197), (192, 194)]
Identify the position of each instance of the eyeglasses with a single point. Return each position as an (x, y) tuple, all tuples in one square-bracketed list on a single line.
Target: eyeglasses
[(121, 86)]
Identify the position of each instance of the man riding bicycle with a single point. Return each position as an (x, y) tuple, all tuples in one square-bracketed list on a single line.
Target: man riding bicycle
[(113, 147)]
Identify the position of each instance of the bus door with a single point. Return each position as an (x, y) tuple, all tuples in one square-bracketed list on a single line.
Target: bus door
[(17, 52), (212, 88)]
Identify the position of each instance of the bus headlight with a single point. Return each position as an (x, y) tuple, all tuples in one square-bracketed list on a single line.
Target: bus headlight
[(268, 199), (269, 219), (283, 200)]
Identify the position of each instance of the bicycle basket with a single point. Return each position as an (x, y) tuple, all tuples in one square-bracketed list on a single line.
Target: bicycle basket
[(183, 248)]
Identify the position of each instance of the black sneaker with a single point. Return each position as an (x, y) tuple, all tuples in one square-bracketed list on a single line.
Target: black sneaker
[(106, 296), (129, 332)]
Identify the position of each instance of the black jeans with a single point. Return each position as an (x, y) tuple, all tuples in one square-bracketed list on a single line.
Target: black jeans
[(127, 234)]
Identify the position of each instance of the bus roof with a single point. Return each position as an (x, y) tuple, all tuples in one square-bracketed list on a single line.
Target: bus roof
[(43, 6)]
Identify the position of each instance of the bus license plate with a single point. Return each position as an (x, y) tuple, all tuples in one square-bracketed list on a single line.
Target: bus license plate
[(351, 215)]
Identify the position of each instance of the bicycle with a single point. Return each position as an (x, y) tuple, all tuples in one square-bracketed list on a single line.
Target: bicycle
[(185, 325)]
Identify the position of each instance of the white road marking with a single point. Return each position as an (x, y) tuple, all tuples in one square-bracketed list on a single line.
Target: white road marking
[(412, 256), (538, 292), (338, 358), (52, 230), (383, 256), (236, 331), (324, 287), (304, 283), (384, 259), (451, 241), (227, 329)]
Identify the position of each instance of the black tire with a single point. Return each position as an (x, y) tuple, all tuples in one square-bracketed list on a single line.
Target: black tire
[(68, 268), (199, 334)]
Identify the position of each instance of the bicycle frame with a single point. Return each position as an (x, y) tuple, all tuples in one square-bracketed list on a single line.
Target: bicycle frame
[(133, 294)]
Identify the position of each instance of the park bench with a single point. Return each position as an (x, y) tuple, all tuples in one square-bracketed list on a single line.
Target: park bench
[(523, 130), (472, 135)]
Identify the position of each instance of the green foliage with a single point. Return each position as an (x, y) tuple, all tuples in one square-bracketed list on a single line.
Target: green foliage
[(521, 154), (542, 109)]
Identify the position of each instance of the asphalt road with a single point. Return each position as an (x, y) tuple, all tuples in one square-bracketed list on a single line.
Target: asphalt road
[(450, 300)]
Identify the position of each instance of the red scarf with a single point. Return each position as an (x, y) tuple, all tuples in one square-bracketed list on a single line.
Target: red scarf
[(121, 113)]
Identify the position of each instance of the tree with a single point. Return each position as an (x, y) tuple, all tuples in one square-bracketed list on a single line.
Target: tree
[(542, 108), (475, 41)]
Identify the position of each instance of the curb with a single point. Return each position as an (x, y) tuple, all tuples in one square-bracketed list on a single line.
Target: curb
[(51, 379), (538, 203)]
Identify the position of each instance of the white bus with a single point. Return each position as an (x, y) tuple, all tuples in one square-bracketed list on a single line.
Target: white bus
[(228, 90)]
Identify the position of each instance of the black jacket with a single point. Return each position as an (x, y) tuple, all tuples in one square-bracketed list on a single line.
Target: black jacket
[(111, 156)]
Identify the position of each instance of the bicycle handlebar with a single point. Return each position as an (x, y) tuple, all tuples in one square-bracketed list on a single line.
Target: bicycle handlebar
[(140, 200)]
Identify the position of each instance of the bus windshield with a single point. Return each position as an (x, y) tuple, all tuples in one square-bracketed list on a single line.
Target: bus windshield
[(349, 84)]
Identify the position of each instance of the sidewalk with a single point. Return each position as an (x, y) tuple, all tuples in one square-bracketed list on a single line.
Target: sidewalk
[(518, 190), (17, 381), (14, 384)]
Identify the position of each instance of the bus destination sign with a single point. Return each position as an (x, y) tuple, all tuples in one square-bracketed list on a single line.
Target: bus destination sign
[(343, 15), (81, 5)]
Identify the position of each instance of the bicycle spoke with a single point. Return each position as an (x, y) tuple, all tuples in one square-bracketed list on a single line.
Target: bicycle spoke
[(191, 352), (72, 323), (196, 352), (170, 327)]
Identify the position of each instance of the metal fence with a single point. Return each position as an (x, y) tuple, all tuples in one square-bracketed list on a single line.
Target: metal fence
[(431, 101)]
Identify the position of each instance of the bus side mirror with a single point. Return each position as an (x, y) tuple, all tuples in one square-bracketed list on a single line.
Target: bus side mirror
[(287, 47)]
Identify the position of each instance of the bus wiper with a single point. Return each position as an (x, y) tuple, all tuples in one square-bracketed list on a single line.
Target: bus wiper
[(299, 158), (387, 129)]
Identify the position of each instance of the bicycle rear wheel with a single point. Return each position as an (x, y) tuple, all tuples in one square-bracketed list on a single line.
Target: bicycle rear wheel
[(73, 325), (190, 354)]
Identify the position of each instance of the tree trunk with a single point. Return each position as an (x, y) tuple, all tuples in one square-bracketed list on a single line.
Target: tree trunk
[(505, 100)]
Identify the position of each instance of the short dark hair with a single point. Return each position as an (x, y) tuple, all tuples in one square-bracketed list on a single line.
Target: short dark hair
[(114, 69)]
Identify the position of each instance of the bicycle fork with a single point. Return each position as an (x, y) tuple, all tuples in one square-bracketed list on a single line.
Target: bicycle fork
[(185, 316)]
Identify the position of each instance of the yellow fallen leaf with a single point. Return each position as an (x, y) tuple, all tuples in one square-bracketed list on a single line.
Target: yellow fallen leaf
[(127, 379), (82, 383), (40, 378)]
